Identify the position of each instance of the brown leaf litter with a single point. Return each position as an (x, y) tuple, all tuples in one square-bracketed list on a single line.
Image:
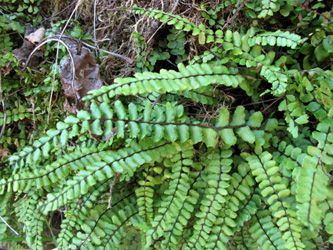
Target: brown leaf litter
[(86, 69), (32, 38), (86, 77)]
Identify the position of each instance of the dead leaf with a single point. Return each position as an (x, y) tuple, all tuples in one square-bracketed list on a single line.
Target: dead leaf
[(4, 152), (86, 77), (31, 37), (36, 37)]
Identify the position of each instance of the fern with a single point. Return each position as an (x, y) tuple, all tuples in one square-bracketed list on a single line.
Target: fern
[(274, 188), (213, 201), (232, 150)]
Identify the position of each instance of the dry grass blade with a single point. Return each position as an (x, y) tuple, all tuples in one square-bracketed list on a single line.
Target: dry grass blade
[(109, 52)]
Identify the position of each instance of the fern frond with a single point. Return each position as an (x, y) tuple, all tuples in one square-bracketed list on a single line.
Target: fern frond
[(277, 38), (205, 95), (145, 195), (239, 190), (97, 229), (324, 138), (40, 149), (271, 73), (195, 158), (275, 189), (33, 223), (328, 218), (56, 171), (209, 223), (123, 162), (289, 158), (184, 213), (173, 203), (268, 7), (76, 213), (187, 78), (311, 191), (265, 233), (177, 21), (4, 208)]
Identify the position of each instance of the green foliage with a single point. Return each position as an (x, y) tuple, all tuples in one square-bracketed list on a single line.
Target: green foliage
[(27, 6), (165, 160)]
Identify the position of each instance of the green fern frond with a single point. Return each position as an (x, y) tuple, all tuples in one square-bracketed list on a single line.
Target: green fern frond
[(241, 191), (76, 213), (328, 219), (310, 192), (266, 7), (4, 208), (230, 150), (124, 161), (277, 38), (97, 231), (188, 78), (174, 209), (265, 233), (205, 95), (209, 223), (312, 183), (33, 223), (275, 189), (41, 148), (179, 22), (56, 171)]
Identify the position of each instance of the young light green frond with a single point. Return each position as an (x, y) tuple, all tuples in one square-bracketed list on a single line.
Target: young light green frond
[(311, 192), (214, 201), (277, 38), (168, 81), (174, 209), (264, 232), (274, 190), (177, 21), (240, 190)]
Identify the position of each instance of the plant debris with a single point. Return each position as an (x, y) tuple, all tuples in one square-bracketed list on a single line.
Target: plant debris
[(87, 77), (3, 152), (32, 38)]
